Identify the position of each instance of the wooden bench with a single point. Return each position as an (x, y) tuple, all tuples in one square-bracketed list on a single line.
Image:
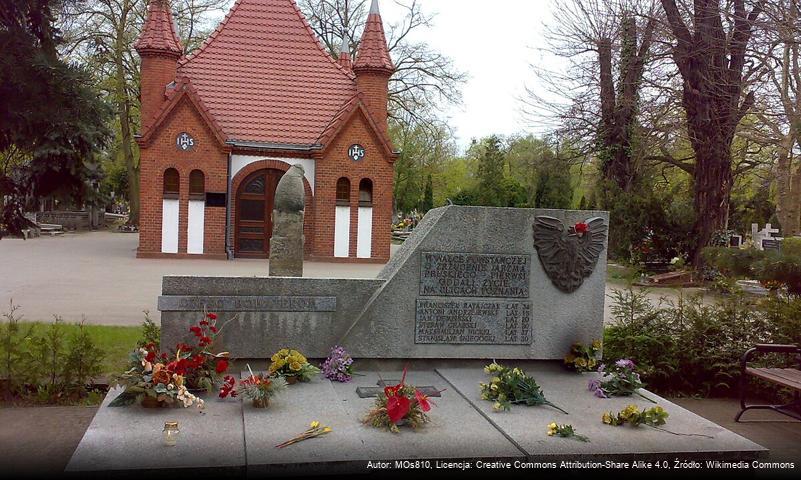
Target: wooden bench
[(785, 377)]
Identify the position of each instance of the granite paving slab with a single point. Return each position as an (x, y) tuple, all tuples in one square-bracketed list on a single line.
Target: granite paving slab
[(456, 429), (527, 426), (130, 438)]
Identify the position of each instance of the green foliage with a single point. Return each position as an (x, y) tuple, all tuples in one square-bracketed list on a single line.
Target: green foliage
[(14, 356), (83, 359), (687, 347), (489, 190), (780, 268), (554, 188), (151, 333), (428, 195), (54, 361), (63, 123), (732, 262), (792, 247), (647, 223)]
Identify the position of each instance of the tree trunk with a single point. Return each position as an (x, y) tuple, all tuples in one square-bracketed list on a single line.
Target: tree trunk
[(713, 180), (126, 131), (788, 196)]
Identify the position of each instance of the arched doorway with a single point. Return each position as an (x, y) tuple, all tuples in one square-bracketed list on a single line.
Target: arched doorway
[(254, 207)]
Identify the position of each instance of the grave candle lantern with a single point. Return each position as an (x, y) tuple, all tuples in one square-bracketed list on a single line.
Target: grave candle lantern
[(170, 433)]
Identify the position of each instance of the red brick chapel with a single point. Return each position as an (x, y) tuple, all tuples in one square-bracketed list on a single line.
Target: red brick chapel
[(222, 125)]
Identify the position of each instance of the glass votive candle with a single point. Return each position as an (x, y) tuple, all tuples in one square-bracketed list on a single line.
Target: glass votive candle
[(170, 433)]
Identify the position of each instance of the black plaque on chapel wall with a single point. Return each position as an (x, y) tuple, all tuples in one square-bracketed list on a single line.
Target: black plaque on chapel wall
[(215, 199)]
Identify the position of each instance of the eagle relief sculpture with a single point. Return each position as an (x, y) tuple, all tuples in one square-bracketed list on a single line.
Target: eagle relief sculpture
[(568, 257)]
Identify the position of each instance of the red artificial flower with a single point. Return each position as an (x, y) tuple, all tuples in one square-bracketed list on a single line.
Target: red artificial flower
[(222, 365), (213, 329), (150, 357), (212, 316), (393, 391), (582, 228), (204, 322), (227, 389), (397, 408), (164, 356), (422, 400), (206, 340), (196, 330)]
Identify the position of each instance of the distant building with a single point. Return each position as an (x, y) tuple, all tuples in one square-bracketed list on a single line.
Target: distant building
[(221, 126)]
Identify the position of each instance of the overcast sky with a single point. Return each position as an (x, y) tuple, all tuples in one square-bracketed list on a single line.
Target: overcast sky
[(495, 42)]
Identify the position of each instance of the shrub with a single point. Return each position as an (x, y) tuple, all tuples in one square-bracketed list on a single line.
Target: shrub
[(14, 357), (732, 262), (686, 347), (151, 333)]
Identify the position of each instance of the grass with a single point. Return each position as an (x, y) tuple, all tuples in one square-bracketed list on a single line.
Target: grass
[(116, 342)]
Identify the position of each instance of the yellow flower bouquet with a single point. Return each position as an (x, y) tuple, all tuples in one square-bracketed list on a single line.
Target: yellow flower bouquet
[(293, 366)]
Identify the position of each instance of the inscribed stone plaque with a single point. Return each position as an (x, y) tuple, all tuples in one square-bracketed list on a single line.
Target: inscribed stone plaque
[(465, 321), (474, 275), (247, 304)]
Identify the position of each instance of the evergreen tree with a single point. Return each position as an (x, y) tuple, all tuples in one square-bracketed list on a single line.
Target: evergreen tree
[(51, 121), (490, 173)]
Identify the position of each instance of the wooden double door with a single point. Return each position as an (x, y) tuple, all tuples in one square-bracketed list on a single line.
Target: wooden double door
[(254, 213)]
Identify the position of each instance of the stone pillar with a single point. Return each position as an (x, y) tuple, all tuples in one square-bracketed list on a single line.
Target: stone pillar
[(286, 244)]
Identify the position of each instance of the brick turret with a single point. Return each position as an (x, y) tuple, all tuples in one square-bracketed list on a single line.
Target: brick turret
[(160, 49), (374, 67)]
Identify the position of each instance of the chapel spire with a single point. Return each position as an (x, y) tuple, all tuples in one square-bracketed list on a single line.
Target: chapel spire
[(159, 49), (344, 53), (373, 67), (373, 51), (158, 34)]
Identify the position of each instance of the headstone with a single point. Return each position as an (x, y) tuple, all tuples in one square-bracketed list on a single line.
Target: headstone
[(735, 241), (286, 244), (469, 282), (772, 244), (759, 236)]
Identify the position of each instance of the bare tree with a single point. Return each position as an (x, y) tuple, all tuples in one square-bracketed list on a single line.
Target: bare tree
[(780, 106), (710, 51), (425, 81), (598, 96)]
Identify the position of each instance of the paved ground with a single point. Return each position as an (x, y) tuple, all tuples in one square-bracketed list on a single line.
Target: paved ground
[(98, 275)]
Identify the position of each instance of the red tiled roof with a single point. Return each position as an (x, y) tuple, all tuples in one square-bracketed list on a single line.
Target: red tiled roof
[(265, 78), (373, 53), (158, 33)]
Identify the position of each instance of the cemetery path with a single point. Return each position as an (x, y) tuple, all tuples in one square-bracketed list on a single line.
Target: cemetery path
[(97, 275)]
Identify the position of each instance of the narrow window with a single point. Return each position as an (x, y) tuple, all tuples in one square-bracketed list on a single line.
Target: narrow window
[(343, 192), (197, 185), (172, 183), (366, 193)]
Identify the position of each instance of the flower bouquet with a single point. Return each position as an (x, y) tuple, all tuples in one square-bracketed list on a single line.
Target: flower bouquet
[(582, 358), (511, 386), (161, 378), (293, 366), (338, 366), (620, 380), (157, 384), (399, 405), (652, 417), (259, 389)]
